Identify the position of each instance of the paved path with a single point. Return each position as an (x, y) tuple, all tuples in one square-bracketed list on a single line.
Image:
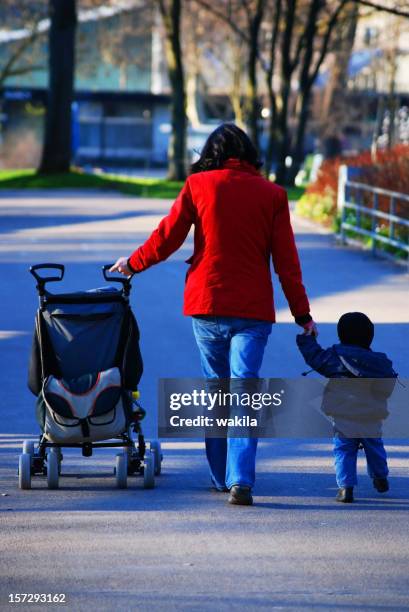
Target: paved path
[(179, 547)]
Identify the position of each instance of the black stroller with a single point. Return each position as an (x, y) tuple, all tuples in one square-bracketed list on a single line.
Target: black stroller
[(84, 369)]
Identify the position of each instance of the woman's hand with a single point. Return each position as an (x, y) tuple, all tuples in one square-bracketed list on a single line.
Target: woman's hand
[(121, 266), (310, 329)]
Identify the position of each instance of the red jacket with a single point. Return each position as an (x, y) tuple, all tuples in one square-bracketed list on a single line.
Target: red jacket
[(240, 220)]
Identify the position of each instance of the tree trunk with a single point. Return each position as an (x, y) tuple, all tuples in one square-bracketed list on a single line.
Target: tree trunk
[(177, 143), (235, 98), (335, 111), (252, 102), (272, 132), (286, 70), (252, 110), (193, 100), (305, 90), (309, 72), (56, 155), (282, 132), (272, 136), (298, 152)]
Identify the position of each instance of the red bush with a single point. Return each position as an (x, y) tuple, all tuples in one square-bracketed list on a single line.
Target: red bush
[(389, 170)]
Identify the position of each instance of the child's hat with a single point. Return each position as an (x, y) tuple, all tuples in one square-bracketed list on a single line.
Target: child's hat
[(355, 328)]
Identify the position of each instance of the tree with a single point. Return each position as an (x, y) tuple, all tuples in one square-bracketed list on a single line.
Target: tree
[(244, 18), (57, 134), (217, 63), (301, 34), (20, 53), (335, 112), (170, 11), (269, 69), (123, 41), (393, 10), (317, 37), (254, 15)]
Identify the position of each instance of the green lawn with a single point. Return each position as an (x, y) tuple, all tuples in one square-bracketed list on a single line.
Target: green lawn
[(145, 187), (28, 179)]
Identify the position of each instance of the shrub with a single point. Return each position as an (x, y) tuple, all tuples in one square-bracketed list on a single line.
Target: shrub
[(389, 170)]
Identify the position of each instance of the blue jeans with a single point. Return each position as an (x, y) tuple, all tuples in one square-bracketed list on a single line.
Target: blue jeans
[(231, 347), (345, 454)]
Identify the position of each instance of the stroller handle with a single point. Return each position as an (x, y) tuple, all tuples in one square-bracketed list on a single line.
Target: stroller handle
[(125, 282), (42, 280)]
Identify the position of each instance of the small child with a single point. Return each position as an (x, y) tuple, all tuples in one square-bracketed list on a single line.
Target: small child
[(349, 359)]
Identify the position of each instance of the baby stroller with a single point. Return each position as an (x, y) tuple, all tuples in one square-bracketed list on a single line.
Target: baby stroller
[(85, 367)]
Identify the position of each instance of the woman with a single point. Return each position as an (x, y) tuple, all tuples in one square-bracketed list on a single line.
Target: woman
[(241, 220)]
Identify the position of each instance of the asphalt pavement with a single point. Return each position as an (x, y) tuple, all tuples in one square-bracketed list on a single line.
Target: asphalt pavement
[(180, 546)]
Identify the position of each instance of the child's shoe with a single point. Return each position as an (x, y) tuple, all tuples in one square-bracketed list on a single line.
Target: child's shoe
[(381, 484), (345, 495)]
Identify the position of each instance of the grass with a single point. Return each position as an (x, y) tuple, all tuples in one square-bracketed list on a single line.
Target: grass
[(146, 187), (76, 179)]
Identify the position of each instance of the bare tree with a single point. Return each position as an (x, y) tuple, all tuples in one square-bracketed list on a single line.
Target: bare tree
[(335, 112), (394, 8), (244, 18), (123, 42), (217, 64), (321, 20), (20, 46), (301, 34)]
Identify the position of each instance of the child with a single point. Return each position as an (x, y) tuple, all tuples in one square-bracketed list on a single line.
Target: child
[(353, 358)]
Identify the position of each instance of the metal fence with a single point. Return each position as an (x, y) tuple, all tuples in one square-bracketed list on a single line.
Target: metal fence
[(122, 138), (360, 214)]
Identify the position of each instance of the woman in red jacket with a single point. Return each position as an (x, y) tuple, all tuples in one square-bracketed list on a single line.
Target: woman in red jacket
[(241, 221)]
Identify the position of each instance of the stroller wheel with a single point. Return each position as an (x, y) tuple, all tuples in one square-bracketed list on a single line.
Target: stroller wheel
[(121, 470), (148, 470), (59, 454), (52, 469), (24, 471), (28, 447), (158, 457)]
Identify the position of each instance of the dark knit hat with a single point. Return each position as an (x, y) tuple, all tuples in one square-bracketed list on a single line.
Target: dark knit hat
[(355, 328)]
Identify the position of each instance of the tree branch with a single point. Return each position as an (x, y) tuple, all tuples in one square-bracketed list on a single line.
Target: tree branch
[(288, 65), (331, 24), (384, 9), (25, 43), (22, 70), (226, 18), (246, 8)]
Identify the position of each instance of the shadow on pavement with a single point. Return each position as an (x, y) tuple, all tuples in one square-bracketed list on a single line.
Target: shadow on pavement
[(185, 486)]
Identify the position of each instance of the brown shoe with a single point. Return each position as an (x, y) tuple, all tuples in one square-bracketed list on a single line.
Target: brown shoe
[(345, 495), (240, 496)]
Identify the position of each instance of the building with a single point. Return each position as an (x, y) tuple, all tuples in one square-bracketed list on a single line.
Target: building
[(120, 115)]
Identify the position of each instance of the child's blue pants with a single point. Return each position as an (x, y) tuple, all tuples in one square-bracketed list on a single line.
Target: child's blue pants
[(345, 454)]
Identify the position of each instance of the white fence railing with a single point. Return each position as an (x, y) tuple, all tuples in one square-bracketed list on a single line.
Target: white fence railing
[(368, 220)]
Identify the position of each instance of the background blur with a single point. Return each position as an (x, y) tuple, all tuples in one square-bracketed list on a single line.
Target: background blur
[(120, 111), (133, 88)]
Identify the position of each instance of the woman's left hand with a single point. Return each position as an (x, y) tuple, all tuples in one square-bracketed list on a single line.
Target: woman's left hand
[(121, 266), (311, 329)]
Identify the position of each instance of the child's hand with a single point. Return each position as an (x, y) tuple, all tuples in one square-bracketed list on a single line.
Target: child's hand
[(310, 329)]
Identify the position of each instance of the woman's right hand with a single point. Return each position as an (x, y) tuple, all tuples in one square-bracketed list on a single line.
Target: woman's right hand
[(121, 266)]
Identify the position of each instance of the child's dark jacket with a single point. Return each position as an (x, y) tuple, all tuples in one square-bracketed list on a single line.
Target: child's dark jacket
[(357, 409)]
